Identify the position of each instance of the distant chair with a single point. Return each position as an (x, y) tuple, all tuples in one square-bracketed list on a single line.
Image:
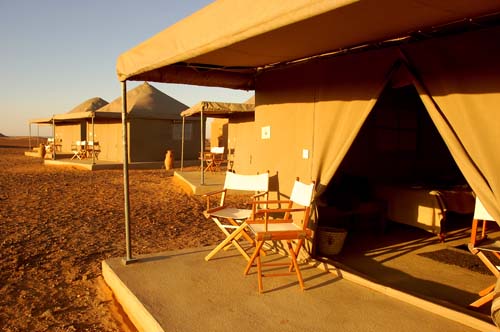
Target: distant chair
[(214, 159), (218, 157), (79, 150), (93, 149)]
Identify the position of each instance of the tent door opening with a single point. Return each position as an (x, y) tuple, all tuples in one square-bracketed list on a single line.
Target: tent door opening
[(396, 160)]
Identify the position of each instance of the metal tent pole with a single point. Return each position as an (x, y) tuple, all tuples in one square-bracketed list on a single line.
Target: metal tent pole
[(53, 138), (182, 143), (30, 137), (93, 139), (128, 246), (202, 148)]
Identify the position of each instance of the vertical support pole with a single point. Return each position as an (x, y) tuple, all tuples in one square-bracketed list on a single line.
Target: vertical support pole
[(128, 247), (202, 148), (37, 134), (182, 142), (30, 136), (53, 138), (93, 139)]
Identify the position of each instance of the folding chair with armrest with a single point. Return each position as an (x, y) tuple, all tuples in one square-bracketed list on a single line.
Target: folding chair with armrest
[(231, 220), (479, 246), (78, 150), (282, 229)]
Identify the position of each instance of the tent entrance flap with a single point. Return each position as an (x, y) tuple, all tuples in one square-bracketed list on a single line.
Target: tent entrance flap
[(397, 158), (460, 95)]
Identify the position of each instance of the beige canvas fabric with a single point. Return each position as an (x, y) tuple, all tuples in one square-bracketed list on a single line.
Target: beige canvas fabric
[(323, 113), (312, 111), (216, 109), (81, 111), (240, 36), (461, 91), (319, 114)]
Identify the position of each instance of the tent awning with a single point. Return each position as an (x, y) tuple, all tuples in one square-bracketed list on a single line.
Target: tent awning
[(228, 43), (215, 109), (74, 117), (41, 121)]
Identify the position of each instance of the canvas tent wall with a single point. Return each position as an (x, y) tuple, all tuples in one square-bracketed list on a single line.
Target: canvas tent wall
[(451, 75), (454, 76), (449, 46), (76, 129), (72, 126), (154, 126), (234, 112)]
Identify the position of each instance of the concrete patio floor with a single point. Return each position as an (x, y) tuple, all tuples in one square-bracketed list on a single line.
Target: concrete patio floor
[(191, 181), (380, 282), (180, 291)]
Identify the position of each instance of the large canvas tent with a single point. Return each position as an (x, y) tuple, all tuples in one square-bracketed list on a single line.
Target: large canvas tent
[(73, 125), (317, 75), (234, 112), (154, 126)]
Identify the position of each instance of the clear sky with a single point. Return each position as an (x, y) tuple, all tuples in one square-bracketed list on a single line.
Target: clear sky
[(55, 54)]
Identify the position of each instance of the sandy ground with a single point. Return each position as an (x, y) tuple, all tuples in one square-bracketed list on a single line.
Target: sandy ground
[(58, 223)]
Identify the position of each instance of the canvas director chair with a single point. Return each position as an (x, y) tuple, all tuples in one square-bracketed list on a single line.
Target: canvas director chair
[(484, 248), (267, 227), (79, 150), (230, 219), (214, 159)]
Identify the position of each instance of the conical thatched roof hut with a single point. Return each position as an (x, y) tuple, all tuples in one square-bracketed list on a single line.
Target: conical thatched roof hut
[(147, 102), (154, 126), (92, 104)]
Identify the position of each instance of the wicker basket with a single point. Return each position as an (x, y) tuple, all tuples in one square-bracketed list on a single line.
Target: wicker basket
[(330, 240)]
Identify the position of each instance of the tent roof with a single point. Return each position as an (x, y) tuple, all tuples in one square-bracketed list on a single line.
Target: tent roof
[(216, 109), (92, 104), (81, 111), (228, 42), (74, 117), (145, 102)]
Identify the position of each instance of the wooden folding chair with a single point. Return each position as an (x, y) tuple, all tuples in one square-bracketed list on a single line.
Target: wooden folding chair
[(231, 220), (93, 149), (78, 150), (282, 228), (214, 159), (479, 246)]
